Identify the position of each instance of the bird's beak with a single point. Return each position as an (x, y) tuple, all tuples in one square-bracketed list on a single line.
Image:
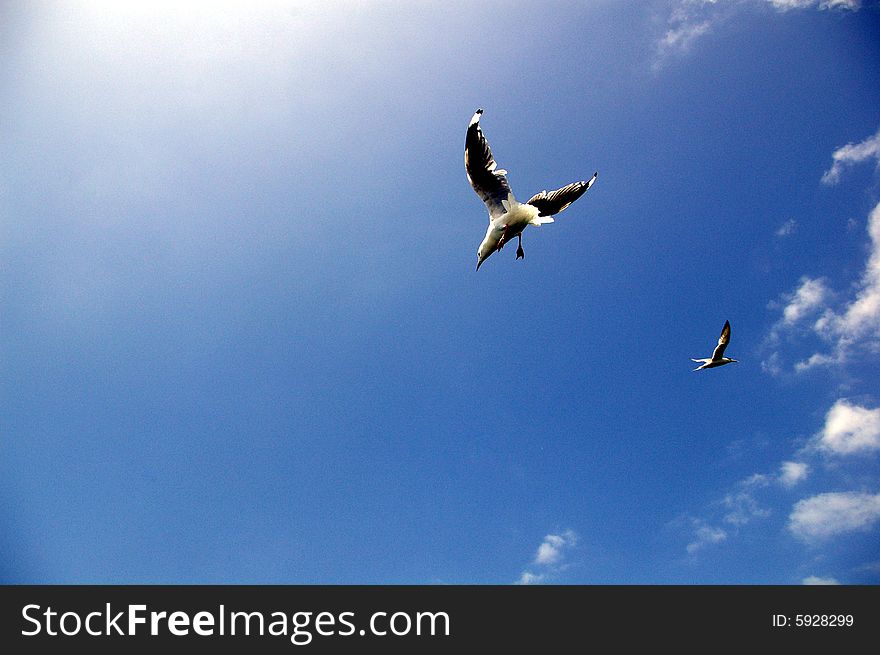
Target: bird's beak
[(479, 263)]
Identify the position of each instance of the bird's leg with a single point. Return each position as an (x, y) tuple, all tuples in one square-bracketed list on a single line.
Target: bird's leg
[(502, 240), (520, 253)]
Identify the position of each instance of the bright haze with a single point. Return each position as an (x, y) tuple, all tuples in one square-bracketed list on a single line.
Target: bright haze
[(242, 339)]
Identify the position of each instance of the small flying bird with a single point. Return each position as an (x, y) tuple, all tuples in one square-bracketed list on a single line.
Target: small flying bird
[(718, 358), (508, 217)]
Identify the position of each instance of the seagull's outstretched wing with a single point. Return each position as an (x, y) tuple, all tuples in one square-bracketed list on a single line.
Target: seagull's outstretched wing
[(490, 184), (552, 203), (723, 340)]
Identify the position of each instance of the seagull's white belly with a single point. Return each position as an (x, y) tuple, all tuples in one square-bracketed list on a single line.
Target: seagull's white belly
[(515, 220), (510, 224), (506, 227)]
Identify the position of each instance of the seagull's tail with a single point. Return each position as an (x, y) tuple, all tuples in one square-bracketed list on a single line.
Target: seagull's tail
[(702, 363)]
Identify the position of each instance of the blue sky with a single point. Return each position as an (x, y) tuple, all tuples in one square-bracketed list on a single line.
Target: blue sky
[(242, 339)]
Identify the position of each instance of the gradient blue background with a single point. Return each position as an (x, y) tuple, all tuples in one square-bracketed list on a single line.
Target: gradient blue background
[(241, 335)]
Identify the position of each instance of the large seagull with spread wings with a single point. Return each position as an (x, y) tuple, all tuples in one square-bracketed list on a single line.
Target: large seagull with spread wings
[(507, 217)]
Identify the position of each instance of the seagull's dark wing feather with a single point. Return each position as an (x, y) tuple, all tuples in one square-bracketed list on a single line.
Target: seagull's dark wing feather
[(489, 184), (723, 340), (553, 202)]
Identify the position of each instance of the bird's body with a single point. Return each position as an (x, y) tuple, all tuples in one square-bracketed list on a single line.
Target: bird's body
[(507, 216), (710, 363), (717, 358), (508, 225)]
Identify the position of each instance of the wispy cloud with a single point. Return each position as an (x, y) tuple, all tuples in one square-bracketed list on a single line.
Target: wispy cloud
[(704, 535), (852, 153), (741, 506), (679, 39), (848, 429), (815, 580), (690, 20), (859, 319), (792, 473), (772, 364), (551, 549), (849, 325), (741, 503), (869, 567), (734, 510), (817, 359), (806, 299), (852, 328), (528, 577), (787, 229), (786, 5), (549, 557), (829, 514)]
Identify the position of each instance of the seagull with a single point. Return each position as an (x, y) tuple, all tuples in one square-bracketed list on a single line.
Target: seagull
[(718, 358), (508, 217)]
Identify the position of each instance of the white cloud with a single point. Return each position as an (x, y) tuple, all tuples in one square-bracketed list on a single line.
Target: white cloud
[(869, 567), (741, 503), (549, 557), (681, 37), (704, 536), (772, 365), (855, 327), (852, 153), (829, 514), (691, 19), (814, 360), (528, 577), (787, 229), (853, 5), (786, 5), (850, 429), (808, 297), (815, 580), (688, 21), (791, 473), (551, 549), (860, 318)]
